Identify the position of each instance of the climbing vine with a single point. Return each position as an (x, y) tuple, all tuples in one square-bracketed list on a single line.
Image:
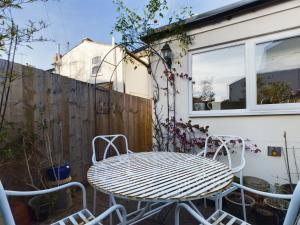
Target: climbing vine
[(18, 145), (135, 28), (138, 34)]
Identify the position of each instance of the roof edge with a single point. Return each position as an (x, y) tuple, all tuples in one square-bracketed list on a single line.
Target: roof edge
[(210, 17), (84, 40)]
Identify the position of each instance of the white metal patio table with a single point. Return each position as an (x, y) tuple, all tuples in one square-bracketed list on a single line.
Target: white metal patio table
[(159, 177)]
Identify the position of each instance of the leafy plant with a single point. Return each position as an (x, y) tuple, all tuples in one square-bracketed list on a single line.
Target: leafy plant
[(185, 136), (20, 146), (134, 26), (275, 92), (31, 149), (10, 29), (11, 36)]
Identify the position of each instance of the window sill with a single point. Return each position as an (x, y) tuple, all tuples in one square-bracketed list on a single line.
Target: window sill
[(233, 113)]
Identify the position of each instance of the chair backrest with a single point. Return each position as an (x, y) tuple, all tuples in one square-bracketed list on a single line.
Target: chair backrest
[(5, 208), (110, 141), (218, 143), (294, 207)]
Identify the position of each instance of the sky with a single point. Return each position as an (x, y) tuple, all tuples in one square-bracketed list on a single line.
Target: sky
[(70, 21)]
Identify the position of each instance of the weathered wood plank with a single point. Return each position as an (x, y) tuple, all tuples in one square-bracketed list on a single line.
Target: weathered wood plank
[(69, 107)]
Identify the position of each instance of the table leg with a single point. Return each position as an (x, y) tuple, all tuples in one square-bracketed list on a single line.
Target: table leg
[(145, 212), (110, 205), (191, 211), (94, 201), (114, 202), (217, 202), (195, 208)]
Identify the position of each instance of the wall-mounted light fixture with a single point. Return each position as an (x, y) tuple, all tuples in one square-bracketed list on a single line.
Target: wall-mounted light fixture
[(167, 54)]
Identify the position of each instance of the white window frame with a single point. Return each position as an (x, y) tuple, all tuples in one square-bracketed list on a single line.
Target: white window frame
[(252, 108)]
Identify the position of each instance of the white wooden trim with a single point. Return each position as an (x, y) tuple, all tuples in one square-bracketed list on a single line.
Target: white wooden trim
[(245, 113)]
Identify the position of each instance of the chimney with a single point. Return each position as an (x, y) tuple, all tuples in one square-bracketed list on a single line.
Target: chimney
[(113, 43), (57, 60)]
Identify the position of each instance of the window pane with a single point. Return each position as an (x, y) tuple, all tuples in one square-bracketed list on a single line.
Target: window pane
[(219, 79), (95, 69), (278, 71), (96, 60)]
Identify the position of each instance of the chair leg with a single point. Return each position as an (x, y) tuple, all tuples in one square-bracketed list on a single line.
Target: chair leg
[(205, 203), (177, 215), (139, 205), (94, 201), (221, 203), (114, 202), (243, 197), (192, 213), (243, 205), (110, 215), (217, 203)]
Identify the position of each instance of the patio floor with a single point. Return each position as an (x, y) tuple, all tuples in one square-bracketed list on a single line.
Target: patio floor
[(165, 217)]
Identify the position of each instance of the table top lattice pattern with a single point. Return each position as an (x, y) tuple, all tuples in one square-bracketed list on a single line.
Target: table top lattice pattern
[(160, 176)]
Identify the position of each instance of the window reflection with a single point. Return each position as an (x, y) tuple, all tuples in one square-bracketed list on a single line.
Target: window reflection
[(278, 71), (219, 79)]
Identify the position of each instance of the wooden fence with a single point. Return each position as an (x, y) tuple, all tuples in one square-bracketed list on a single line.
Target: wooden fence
[(69, 107)]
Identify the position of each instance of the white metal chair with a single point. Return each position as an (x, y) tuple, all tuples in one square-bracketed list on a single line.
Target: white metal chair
[(110, 143), (223, 218), (143, 211), (83, 216), (109, 140), (223, 143)]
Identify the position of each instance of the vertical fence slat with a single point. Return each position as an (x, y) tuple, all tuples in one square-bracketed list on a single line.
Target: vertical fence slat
[(69, 107)]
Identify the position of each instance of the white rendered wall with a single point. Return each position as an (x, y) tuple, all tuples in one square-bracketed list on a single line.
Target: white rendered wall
[(137, 80), (77, 63), (261, 130)]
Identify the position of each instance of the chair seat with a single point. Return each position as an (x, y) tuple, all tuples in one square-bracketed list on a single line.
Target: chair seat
[(223, 218), (79, 218)]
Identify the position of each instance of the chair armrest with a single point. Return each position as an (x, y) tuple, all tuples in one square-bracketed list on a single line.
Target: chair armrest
[(50, 190), (262, 193), (108, 212)]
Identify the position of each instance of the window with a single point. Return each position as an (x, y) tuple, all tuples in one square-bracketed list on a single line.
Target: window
[(251, 77), (95, 70), (278, 71), (96, 60), (224, 86)]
